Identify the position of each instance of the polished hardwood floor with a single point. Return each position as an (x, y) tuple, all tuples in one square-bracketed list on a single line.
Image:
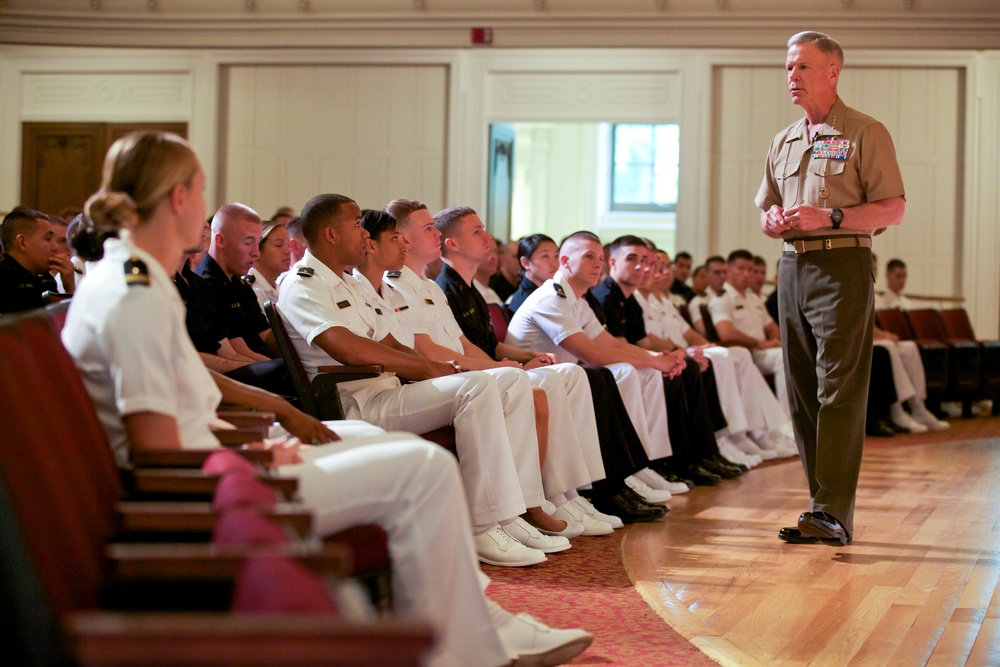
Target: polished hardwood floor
[(918, 586)]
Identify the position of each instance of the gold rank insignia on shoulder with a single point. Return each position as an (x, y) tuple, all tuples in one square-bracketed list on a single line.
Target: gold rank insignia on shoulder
[(136, 272), (559, 290), (341, 304), (308, 272), (378, 311), (429, 302), (402, 308)]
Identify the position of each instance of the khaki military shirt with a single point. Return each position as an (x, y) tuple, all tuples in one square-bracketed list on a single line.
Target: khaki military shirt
[(850, 161)]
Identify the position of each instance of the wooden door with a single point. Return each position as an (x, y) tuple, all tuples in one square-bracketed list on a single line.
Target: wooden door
[(61, 162)]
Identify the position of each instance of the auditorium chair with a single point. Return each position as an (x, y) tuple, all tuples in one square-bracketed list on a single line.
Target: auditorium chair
[(320, 397), (963, 356), (933, 353), (499, 319), (60, 493), (685, 312), (958, 328), (706, 317)]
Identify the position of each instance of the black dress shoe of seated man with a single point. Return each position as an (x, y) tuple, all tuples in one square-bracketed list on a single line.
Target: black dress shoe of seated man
[(622, 506), (641, 502), (825, 527), (723, 469), (701, 477), (879, 428)]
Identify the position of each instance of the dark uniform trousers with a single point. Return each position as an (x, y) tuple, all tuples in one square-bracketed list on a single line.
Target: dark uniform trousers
[(826, 305)]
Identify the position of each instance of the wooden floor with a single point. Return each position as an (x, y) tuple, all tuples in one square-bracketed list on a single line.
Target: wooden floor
[(918, 586)]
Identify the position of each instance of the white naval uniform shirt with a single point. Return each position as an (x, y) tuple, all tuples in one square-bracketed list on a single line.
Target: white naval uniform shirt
[(313, 299), (429, 311), (550, 315), (663, 319), (264, 290), (132, 348), (888, 300), (390, 306), (694, 307), (747, 311)]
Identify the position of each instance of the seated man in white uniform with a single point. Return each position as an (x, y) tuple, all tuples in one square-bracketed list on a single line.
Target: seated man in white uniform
[(332, 323), (388, 249), (573, 453), (740, 318), (895, 283), (556, 318), (750, 406), (715, 278)]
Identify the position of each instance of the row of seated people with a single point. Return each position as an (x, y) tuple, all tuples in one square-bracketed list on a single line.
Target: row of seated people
[(125, 330)]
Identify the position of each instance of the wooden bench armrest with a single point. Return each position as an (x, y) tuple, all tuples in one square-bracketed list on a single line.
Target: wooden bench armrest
[(183, 482), (247, 418), (370, 369), (120, 640), (165, 561), (191, 458), (235, 437), (198, 517)]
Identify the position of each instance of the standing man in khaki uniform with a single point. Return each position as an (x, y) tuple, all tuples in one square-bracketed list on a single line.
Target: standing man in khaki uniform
[(830, 182)]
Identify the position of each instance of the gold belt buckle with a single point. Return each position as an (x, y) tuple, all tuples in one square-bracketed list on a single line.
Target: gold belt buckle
[(799, 245), (828, 243)]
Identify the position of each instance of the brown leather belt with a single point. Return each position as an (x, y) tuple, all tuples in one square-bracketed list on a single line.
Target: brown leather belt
[(799, 246)]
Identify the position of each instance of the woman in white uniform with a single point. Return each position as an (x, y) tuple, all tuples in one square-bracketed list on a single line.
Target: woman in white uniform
[(275, 258), (125, 329)]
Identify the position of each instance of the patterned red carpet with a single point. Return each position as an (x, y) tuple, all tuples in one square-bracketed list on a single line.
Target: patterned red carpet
[(587, 587)]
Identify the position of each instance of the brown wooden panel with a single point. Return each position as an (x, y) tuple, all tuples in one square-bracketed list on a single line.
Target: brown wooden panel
[(61, 164)]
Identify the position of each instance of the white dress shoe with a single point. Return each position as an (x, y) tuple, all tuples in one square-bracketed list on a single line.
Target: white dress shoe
[(496, 547), (755, 444), (656, 480), (591, 527), (902, 419), (649, 493), (730, 452), (926, 418), (535, 643), (529, 536), (593, 513)]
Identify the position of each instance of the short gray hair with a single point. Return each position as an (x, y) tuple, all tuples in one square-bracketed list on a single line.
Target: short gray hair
[(823, 42)]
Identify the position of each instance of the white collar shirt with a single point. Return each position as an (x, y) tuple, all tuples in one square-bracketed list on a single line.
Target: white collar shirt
[(694, 307), (264, 290), (429, 312), (389, 306), (132, 348), (746, 311), (550, 315)]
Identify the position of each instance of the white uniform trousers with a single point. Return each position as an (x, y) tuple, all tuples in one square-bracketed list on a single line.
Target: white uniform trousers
[(642, 393), (771, 361), (519, 418), (471, 402), (907, 369), (574, 455), (411, 489), (757, 408)]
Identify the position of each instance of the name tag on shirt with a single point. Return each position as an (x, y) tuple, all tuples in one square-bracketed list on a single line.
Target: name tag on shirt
[(834, 149), (343, 304)]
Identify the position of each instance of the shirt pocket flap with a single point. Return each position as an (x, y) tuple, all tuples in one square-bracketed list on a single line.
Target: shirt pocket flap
[(826, 167)]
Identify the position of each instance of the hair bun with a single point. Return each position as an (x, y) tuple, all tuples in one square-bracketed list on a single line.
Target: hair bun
[(109, 211)]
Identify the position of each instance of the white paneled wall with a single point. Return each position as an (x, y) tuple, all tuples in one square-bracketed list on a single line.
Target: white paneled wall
[(753, 107), (373, 133)]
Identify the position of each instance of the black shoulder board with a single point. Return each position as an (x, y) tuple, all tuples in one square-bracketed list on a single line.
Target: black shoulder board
[(340, 304), (393, 274), (559, 290), (306, 272), (249, 280), (136, 272)]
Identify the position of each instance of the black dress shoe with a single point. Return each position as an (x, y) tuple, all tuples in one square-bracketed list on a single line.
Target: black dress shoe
[(671, 475), (702, 477), (628, 511), (723, 469), (879, 429), (795, 536), (641, 502), (825, 527)]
